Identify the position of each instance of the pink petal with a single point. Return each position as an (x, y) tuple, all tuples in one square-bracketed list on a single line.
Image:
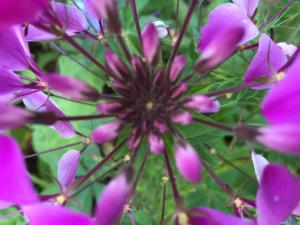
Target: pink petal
[(223, 17), (278, 195), (214, 217), (91, 10), (156, 143), (71, 18), (106, 132), (151, 43), (259, 163), (15, 185), (13, 117), (281, 105), (283, 138), (220, 47), (40, 102), (67, 168), (177, 66), (188, 162), (112, 200), (183, 118), (288, 49), (266, 63), (19, 12), (14, 51), (248, 6), (70, 87), (9, 82), (202, 104), (46, 214)]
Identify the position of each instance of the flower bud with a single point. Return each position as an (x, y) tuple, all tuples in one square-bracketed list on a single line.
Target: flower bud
[(156, 143), (108, 107), (176, 68), (202, 104), (112, 200), (106, 132), (67, 168), (109, 11), (283, 138), (151, 43), (116, 65), (188, 162), (183, 118)]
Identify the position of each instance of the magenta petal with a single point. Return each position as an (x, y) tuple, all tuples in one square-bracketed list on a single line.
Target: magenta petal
[(46, 214), (296, 211), (278, 195), (248, 6), (106, 132), (259, 163), (183, 118), (281, 105), (214, 217), (267, 61), (220, 47), (15, 185), (177, 66), (112, 200), (14, 51), (19, 12), (9, 82), (67, 168), (223, 17), (91, 10), (202, 104), (13, 117), (284, 138), (156, 143), (39, 102), (188, 162), (151, 43), (115, 64), (72, 19), (70, 87)]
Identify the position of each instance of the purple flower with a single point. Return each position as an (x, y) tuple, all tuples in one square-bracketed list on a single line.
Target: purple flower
[(220, 47), (226, 16), (151, 43), (265, 65), (278, 195), (156, 143), (281, 105), (19, 12), (106, 132), (188, 162), (67, 168), (112, 201), (71, 21)]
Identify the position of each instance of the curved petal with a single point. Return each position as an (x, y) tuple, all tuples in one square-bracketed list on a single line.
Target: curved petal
[(284, 138), (112, 201), (248, 6), (67, 168), (15, 185), (214, 217), (9, 82), (71, 18), (70, 87), (259, 164), (19, 12), (188, 162), (40, 102), (278, 195), (266, 63), (281, 105), (14, 51), (44, 214), (13, 117), (221, 18), (151, 43)]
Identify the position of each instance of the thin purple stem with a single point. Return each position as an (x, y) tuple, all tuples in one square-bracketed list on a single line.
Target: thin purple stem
[(182, 32), (137, 24), (132, 221), (214, 124), (172, 179), (73, 118)]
